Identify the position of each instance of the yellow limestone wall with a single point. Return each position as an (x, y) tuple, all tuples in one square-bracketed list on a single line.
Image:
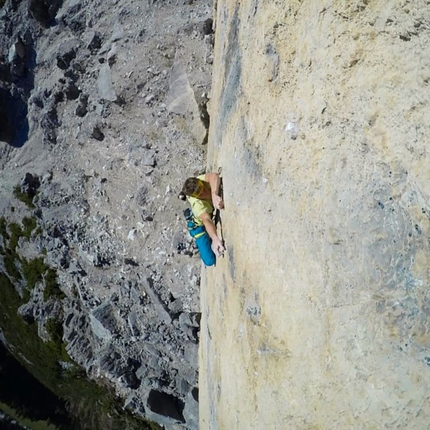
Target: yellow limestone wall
[(318, 316)]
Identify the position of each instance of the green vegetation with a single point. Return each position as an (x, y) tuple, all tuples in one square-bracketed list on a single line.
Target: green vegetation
[(38, 231), (91, 405), (25, 198), (29, 225), (52, 289), (24, 336), (56, 344), (55, 330), (3, 228), (33, 271), (8, 252), (43, 356), (15, 233), (34, 425), (9, 258)]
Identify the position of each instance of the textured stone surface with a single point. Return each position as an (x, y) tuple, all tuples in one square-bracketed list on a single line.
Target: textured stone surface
[(181, 101), (318, 316)]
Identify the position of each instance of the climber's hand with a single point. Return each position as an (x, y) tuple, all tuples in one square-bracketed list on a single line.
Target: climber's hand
[(217, 247), (217, 201)]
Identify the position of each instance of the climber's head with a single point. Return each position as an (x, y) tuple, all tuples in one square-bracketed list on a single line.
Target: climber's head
[(193, 187)]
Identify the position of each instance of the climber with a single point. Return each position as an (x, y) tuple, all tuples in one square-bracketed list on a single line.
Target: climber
[(202, 193)]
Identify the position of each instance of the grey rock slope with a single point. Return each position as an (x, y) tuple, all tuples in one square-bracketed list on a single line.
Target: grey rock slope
[(102, 117)]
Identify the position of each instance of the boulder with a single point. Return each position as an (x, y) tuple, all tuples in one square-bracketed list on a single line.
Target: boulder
[(164, 408), (30, 185), (44, 11), (66, 53), (181, 101), (103, 321), (17, 56), (104, 84), (191, 409), (95, 42)]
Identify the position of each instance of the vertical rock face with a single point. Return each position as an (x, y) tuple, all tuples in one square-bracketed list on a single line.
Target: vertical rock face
[(318, 315)]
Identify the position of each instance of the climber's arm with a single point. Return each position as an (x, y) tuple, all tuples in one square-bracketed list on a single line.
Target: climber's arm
[(214, 182), (217, 246)]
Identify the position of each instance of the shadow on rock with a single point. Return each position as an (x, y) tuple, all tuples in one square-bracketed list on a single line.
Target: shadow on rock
[(15, 90)]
